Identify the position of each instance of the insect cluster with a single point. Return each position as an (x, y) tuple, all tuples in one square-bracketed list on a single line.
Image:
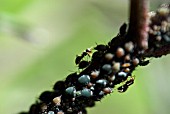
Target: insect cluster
[(110, 69), (159, 28)]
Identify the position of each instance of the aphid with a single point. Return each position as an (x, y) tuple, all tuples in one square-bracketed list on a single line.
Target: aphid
[(60, 112), (101, 93), (109, 56), (82, 112), (158, 38), (71, 91), (69, 110), (126, 70), (106, 69), (144, 63), (86, 92), (107, 90), (101, 47), (97, 56), (163, 11), (46, 96), (122, 30), (34, 109), (112, 84), (127, 57), (129, 46), (116, 66), (166, 38), (101, 83), (94, 74), (60, 85), (51, 112), (71, 79), (135, 61), (155, 27), (89, 85), (122, 74), (120, 52), (57, 100), (126, 65), (112, 78), (43, 107), (84, 79), (83, 64)]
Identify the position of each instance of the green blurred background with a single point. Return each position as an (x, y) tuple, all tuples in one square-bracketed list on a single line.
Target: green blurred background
[(39, 40)]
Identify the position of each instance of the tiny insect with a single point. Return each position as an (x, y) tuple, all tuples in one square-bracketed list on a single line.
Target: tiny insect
[(34, 109), (88, 52), (71, 79), (84, 79), (86, 92), (60, 85), (122, 30), (101, 83), (97, 56), (106, 69), (123, 88), (83, 64), (131, 81), (71, 91), (101, 47), (144, 63), (107, 90), (46, 96)]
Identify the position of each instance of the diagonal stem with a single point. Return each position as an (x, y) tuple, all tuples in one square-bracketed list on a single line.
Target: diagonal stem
[(139, 23)]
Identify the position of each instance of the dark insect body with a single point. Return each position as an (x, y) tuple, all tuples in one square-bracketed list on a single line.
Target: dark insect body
[(46, 96), (122, 30), (124, 87), (101, 47), (80, 57), (83, 64), (144, 63), (60, 85)]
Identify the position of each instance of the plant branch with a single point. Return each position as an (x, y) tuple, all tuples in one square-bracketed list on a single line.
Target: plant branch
[(111, 65), (139, 23)]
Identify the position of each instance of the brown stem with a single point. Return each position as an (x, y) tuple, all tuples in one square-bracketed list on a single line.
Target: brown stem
[(139, 23)]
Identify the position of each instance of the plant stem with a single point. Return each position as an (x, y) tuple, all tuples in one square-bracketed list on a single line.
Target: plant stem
[(139, 23)]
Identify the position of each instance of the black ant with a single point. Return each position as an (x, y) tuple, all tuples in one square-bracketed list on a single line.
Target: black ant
[(83, 64), (80, 57), (144, 63), (122, 30), (124, 87), (101, 47)]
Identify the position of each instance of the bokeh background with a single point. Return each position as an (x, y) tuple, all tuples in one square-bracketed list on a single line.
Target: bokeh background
[(39, 40)]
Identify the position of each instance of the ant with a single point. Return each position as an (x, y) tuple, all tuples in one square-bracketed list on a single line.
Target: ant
[(124, 87), (83, 64), (144, 63), (101, 47), (122, 30), (88, 52)]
